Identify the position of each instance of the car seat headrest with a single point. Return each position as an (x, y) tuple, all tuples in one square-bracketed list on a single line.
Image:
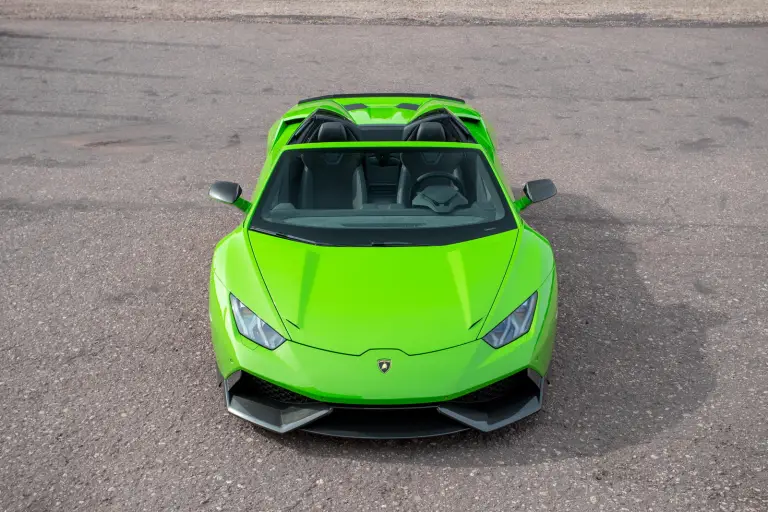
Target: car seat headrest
[(431, 131), (332, 131)]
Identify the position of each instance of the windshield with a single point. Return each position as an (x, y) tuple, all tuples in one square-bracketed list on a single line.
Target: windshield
[(382, 196)]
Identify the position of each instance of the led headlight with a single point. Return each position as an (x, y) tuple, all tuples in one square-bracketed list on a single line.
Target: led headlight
[(514, 326), (253, 327)]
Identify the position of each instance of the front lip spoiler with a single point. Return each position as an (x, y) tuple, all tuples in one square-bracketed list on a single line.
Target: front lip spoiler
[(270, 414), (382, 421)]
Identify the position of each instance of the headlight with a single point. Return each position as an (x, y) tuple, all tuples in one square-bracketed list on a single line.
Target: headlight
[(514, 326), (253, 327)]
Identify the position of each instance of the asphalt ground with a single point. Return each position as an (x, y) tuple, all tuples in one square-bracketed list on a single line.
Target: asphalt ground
[(399, 12), (110, 134)]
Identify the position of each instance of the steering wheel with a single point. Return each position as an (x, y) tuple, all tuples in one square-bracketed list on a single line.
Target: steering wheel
[(418, 184)]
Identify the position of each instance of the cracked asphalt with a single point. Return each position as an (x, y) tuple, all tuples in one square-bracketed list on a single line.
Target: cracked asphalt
[(110, 134)]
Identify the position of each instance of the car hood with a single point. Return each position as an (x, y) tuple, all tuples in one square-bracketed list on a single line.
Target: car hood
[(353, 299)]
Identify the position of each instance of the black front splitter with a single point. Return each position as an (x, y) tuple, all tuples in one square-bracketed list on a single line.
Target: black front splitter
[(387, 422)]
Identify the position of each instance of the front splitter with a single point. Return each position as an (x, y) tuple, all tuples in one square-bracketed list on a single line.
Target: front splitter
[(391, 421)]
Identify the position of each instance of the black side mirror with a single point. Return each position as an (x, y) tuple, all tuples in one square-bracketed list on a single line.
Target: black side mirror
[(229, 192), (536, 191), (539, 190)]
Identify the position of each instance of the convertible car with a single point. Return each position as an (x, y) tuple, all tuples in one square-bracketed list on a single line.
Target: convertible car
[(382, 283)]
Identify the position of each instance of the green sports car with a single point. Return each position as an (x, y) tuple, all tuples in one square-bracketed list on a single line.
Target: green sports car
[(382, 283)]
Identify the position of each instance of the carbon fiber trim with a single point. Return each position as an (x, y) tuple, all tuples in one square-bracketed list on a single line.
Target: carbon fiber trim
[(280, 410)]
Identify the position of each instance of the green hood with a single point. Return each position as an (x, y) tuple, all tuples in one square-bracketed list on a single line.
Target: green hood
[(353, 299)]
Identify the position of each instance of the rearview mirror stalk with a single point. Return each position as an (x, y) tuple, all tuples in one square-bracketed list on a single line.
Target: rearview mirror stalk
[(522, 203), (242, 204)]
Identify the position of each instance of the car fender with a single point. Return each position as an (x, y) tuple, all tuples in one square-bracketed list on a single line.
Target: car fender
[(531, 265), (234, 270)]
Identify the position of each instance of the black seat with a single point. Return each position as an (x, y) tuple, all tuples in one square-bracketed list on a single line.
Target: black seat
[(332, 180), (418, 163)]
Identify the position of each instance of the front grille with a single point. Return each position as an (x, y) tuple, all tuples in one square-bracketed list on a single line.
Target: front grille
[(516, 385), (250, 385)]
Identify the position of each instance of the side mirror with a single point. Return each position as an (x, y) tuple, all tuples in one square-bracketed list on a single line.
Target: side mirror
[(536, 191), (229, 192)]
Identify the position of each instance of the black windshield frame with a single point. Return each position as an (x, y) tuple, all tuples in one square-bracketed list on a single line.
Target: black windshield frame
[(366, 237)]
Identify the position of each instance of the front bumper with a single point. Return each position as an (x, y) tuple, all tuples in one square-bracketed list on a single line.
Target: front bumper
[(347, 395), (281, 410)]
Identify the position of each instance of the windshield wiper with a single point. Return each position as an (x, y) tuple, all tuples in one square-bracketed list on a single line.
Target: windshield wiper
[(392, 243), (287, 236)]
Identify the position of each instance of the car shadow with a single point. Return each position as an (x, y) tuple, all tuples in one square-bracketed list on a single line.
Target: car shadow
[(625, 368)]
